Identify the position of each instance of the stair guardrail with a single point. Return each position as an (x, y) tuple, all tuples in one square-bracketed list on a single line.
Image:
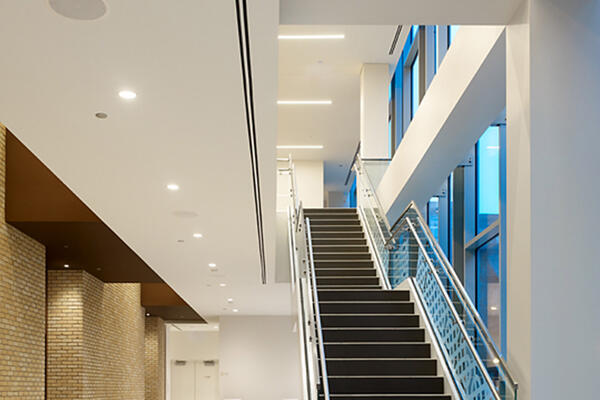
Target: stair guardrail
[(305, 295), (411, 252)]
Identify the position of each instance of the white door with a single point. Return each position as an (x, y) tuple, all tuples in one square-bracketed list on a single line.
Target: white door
[(194, 380)]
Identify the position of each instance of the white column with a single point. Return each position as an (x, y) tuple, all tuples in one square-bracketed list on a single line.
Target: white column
[(553, 191), (374, 111)]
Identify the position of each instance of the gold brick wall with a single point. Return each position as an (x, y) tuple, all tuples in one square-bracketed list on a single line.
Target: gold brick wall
[(22, 306), (95, 338), (155, 354)]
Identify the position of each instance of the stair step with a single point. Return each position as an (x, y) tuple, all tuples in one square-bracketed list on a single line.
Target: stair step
[(344, 263), (388, 384), (377, 350), (350, 287), (347, 280), (334, 222), (337, 235), (336, 228), (342, 256), (377, 334), (394, 396), (340, 249), (346, 272), (329, 210), (342, 241), (381, 367), (331, 215), (369, 320), (363, 295), (365, 308)]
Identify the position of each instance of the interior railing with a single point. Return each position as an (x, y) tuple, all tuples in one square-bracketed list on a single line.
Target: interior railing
[(408, 250), (305, 295)]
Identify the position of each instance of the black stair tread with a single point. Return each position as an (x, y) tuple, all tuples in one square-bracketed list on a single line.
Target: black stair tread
[(330, 209), (372, 308), (341, 257), (407, 385), (324, 263), (389, 396), (330, 272), (336, 228), (337, 235), (346, 287), (362, 320)]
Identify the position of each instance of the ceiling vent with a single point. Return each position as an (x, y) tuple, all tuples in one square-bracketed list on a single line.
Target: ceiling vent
[(85, 10)]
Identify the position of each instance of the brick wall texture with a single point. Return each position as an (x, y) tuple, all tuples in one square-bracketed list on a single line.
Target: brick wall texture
[(95, 339), (155, 354), (22, 306)]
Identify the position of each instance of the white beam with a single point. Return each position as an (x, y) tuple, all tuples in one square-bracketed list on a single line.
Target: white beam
[(465, 96)]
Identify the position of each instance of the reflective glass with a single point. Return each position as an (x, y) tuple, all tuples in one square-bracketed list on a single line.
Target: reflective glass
[(414, 86), (488, 178), (433, 216), (488, 286), (452, 30)]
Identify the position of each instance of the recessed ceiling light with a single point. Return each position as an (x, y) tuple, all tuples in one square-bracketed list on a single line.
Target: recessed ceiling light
[(493, 308), (127, 94), (222, 284), (312, 37), (180, 241), (101, 115), (173, 187), (300, 146), (66, 265), (304, 102), (197, 235), (212, 265), (235, 310), (147, 314), (230, 300)]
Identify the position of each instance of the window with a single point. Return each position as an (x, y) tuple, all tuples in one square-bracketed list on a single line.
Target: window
[(488, 287), (488, 178), (414, 86), (452, 30), (433, 217)]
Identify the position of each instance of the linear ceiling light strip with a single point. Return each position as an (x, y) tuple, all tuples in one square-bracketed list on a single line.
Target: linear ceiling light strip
[(244, 41)]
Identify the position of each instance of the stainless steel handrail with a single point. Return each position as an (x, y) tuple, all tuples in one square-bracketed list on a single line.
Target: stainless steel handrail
[(454, 313), (324, 377), (464, 297)]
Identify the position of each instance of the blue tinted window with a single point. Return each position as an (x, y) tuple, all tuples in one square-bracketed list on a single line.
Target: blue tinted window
[(433, 217), (414, 88), (435, 46), (452, 30), (413, 32), (488, 177), (488, 286)]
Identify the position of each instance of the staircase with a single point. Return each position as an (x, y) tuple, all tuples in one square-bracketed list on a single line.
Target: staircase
[(374, 344)]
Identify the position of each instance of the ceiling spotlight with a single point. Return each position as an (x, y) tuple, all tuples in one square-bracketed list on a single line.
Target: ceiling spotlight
[(312, 37), (308, 146), (212, 265), (235, 310), (173, 187), (127, 94), (304, 102), (197, 235), (66, 265), (222, 284)]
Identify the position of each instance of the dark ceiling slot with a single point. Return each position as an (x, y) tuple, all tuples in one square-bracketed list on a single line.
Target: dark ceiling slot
[(246, 63), (395, 41)]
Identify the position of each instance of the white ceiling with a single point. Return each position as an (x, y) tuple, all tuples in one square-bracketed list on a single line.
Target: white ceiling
[(327, 69), (186, 126)]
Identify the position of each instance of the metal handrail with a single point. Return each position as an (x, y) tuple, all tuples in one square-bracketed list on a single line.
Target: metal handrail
[(461, 326), (464, 297), (324, 377)]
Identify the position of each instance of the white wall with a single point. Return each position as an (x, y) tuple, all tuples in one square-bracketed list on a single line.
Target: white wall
[(553, 119), (374, 110), (259, 358), (465, 96), (311, 184)]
